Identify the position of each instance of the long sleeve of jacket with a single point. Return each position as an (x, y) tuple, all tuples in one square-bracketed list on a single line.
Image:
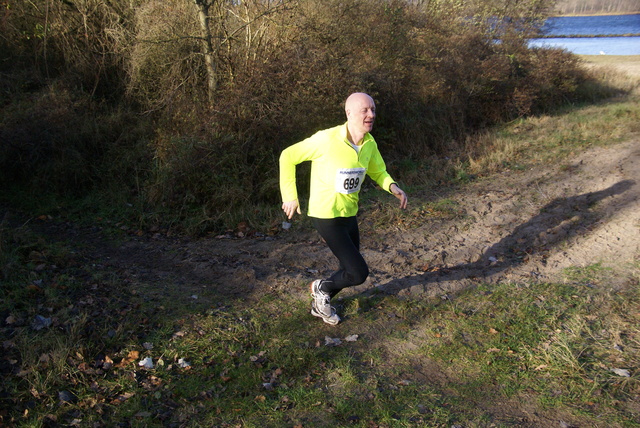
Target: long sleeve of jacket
[(292, 156)]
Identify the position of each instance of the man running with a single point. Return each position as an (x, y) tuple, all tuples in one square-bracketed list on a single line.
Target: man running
[(340, 158)]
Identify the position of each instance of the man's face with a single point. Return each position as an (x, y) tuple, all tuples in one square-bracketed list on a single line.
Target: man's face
[(361, 113)]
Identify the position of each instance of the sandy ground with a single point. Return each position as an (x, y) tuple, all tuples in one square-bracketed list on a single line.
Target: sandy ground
[(520, 226)]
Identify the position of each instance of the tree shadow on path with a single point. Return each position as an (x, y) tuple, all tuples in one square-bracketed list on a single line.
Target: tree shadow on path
[(557, 222)]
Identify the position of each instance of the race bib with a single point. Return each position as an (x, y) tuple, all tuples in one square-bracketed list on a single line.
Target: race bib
[(349, 180)]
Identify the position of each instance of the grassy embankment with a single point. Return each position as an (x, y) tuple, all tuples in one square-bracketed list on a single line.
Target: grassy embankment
[(75, 333), (628, 64)]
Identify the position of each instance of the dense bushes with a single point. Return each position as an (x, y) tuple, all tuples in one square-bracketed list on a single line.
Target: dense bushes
[(438, 70)]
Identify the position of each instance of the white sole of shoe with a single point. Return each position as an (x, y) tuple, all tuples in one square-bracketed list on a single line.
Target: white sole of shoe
[(333, 320)]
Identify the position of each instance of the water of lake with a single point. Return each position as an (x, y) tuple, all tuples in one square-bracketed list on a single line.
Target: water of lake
[(610, 25)]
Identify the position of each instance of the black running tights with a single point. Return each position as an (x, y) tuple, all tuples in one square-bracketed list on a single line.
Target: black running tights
[(343, 238)]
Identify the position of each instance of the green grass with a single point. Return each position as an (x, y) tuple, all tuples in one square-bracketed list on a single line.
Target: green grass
[(554, 138), (414, 363), (478, 359)]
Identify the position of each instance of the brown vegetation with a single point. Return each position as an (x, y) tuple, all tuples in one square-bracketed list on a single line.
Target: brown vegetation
[(596, 7), (181, 108)]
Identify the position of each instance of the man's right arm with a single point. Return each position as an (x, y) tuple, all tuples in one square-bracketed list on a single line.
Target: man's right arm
[(305, 150), (288, 189)]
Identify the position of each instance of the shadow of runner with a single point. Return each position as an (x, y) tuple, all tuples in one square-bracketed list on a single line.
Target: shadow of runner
[(556, 223)]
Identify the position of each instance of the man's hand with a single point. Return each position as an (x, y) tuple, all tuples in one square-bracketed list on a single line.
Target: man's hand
[(399, 193), (290, 208)]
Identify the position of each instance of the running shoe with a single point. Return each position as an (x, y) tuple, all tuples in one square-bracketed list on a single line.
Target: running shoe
[(333, 319), (321, 304)]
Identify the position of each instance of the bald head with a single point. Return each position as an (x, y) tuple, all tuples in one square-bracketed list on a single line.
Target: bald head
[(361, 113), (356, 99)]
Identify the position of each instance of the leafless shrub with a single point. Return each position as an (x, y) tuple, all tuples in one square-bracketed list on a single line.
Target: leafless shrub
[(228, 84)]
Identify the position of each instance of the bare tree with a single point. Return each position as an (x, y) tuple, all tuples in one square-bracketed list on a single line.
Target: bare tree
[(204, 6), (200, 45)]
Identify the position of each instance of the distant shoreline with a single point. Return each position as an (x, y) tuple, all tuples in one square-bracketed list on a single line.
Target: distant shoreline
[(585, 36), (595, 14)]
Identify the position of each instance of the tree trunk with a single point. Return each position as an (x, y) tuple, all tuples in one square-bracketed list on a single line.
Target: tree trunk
[(207, 45)]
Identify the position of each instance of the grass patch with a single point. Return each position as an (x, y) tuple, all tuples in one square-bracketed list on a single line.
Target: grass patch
[(75, 330), (383, 213), (73, 351), (553, 138)]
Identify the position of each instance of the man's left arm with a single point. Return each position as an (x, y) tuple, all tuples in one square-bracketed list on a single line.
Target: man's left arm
[(399, 193), (377, 170)]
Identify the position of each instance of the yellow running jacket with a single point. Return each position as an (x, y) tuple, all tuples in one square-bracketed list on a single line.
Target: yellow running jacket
[(337, 171)]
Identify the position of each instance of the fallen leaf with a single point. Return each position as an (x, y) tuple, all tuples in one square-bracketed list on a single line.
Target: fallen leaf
[(622, 372), (493, 331), (66, 397), (122, 398), (108, 362), (328, 341), (147, 363), (132, 356), (34, 288), (23, 373), (151, 383), (40, 322)]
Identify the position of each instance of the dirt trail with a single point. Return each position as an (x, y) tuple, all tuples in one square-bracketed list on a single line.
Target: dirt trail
[(518, 226)]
